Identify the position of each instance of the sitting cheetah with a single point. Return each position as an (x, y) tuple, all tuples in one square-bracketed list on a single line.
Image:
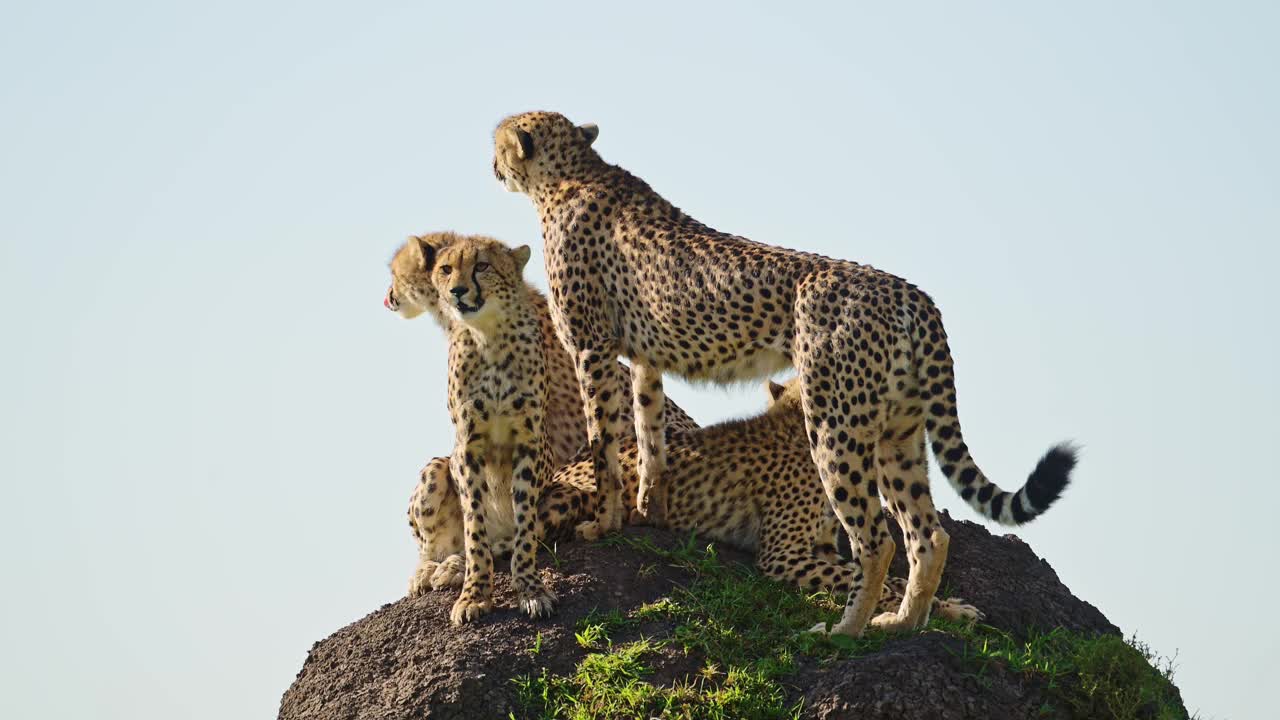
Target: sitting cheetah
[(750, 484), (632, 275), (434, 510), (497, 400)]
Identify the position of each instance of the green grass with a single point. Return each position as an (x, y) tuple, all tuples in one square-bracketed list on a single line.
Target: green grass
[(1103, 676), (746, 631)]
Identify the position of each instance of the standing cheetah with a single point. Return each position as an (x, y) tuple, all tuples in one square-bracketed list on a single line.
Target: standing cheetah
[(435, 512), (632, 275)]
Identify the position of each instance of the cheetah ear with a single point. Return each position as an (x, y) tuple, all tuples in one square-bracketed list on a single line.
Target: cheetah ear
[(590, 132), (521, 256), (524, 145), (775, 390), (422, 252)]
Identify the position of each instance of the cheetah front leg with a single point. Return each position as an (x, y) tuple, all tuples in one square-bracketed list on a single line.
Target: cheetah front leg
[(530, 474), (649, 402), (600, 382), (476, 597), (435, 514)]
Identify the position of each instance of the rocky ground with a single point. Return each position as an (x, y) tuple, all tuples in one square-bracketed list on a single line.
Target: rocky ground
[(405, 660)]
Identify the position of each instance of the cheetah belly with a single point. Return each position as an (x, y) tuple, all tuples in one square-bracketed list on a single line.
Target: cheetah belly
[(499, 511), (755, 364)]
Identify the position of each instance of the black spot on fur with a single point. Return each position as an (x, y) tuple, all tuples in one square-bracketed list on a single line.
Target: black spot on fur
[(997, 504)]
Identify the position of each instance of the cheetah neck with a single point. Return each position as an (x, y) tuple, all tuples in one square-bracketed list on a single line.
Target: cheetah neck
[(503, 330), (597, 181)]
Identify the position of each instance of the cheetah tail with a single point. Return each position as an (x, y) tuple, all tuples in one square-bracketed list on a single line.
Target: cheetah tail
[(1046, 482)]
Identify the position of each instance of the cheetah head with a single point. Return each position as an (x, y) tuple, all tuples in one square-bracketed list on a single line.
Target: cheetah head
[(411, 292), (478, 279), (536, 148)]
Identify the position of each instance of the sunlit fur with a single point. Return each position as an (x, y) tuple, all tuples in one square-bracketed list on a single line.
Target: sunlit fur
[(435, 512), (751, 484), (632, 275)]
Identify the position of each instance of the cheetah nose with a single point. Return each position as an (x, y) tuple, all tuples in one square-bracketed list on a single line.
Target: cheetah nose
[(458, 292)]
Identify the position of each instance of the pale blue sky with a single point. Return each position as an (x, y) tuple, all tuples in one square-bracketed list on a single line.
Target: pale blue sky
[(210, 426)]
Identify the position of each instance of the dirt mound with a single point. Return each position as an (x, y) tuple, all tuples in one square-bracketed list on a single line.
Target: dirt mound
[(405, 661)]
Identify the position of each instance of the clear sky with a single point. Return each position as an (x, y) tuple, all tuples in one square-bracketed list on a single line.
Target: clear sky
[(210, 427)]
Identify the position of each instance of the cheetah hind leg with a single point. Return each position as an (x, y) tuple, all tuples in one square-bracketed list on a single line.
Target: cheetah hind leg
[(917, 601), (904, 481), (874, 564), (435, 515)]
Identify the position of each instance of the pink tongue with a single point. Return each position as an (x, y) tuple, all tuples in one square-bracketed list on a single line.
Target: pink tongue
[(386, 302)]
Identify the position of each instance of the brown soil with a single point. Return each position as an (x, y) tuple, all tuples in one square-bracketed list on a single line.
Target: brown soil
[(405, 661)]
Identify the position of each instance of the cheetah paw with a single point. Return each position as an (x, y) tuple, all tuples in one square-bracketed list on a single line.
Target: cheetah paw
[(890, 622), (821, 628), (589, 530), (833, 629), (449, 573), (958, 609), (421, 580), (467, 609), (537, 601)]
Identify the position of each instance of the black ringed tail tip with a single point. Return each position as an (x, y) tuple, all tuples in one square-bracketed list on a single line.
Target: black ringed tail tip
[(1050, 477)]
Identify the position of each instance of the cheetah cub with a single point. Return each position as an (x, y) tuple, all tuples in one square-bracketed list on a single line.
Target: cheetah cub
[(498, 399), (435, 513), (633, 275)]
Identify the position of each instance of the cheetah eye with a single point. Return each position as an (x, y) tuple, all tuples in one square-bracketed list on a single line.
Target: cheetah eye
[(481, 267), (446, 269)]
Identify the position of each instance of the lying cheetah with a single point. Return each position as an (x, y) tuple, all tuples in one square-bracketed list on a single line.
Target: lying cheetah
[(435, 513), (632, 275), (750, 484)]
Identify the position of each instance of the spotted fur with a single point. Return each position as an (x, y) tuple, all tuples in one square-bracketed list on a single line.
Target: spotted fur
[(748, 483), (498, 397), (435, 511), (633, 275)]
